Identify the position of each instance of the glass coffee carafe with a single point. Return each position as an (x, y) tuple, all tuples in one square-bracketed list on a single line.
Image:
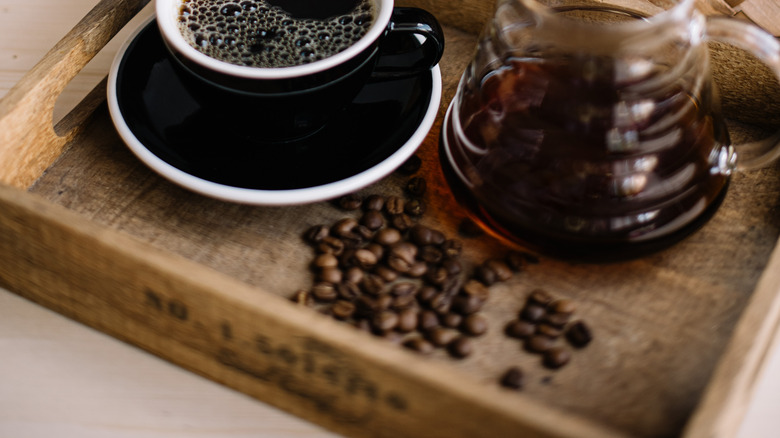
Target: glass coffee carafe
[(592, 128)]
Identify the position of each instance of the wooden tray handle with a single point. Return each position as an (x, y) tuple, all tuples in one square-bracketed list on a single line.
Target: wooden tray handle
[(29, 141)]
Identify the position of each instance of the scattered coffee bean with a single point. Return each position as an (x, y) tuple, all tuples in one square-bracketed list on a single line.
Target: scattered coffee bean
[(364, 259), (486, 275), (427, 320), (353, 275), (426, 293), (430, 254), (373, 220), (564, 306), (407, 320), (579, 334), (474, 325), (513, 378), (419, 345), (556, 319), (303, 298), (384, 321), (385, 273), (344, 227), (556, 357), (417, 269), (441, 336), (410, 166), (539, 343), (372, 284), (451, 320), (315, 234), (452, 248), (519, 329), (348, 290), (374, 202), (416, 187), (387, 236), (533, 313), (402, 221), (476, 289), (323, 261), (394, 205), (466, 304), (325, 292), (500, 269), (549, 330), (415, 207), (460, 347), (404, 302), (330, 275), (343, 309), (350, 202), (331, 245)]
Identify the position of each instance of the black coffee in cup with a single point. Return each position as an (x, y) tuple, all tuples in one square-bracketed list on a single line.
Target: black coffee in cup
[(274, 33)]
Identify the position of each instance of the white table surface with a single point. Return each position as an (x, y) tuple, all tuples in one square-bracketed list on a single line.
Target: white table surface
[(60, 379)]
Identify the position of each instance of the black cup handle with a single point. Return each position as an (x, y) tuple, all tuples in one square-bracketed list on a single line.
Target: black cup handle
[(401, 54)]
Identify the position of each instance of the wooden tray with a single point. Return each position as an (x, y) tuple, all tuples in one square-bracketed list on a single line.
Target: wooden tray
[(87, 230)]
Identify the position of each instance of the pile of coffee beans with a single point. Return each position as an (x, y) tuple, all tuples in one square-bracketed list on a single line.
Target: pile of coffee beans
[(540, 324)]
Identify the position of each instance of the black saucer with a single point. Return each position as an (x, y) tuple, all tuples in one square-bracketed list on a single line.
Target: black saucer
[(167, 120)]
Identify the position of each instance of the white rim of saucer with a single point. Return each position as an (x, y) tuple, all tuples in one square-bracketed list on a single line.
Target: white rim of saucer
[(267, 197), (167, 13)]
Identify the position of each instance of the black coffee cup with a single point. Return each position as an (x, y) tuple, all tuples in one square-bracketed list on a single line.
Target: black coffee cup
[(294, 100)]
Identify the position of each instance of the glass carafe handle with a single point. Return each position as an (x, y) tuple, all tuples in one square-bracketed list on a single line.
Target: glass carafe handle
[(767, 49)]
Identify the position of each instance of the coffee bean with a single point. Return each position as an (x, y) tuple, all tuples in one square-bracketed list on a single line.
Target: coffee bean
[(315, 234), (383, 302), (331, 245), (374, 203), (388, 236), (427, 320), (325, 261), (353, 275), (363, 325), (343, 309), (451, 320), (474, 325), (404, 302), (556, 319), (422, 235), (460, 347), (364, 259), (419, 345), (330, 275), (416, 187), (549, 330), (384, 321), (486, 275), (410, 166), (407, 320), (404, 288), (466, 304), (513, 378), (533, 312), (430, 254), (372, 284), (394, 205), (440, 303), (401, 256), (556, 357), (426, 293), (385, 273), (350, 202), (365, 307), (452, 265), (436, 276), (325, 292), (441, 336), (538, 343), (392, 337), (540, 297), (476, 289), (519, 329), (516, 260), (452, 247), (564, 306), (344, 227), (364, 233), (579, 334), (302, 298), (415, 207), (501, 270), (376, 248), (373, 220), (402, 221), (348, 291), (418, 269)]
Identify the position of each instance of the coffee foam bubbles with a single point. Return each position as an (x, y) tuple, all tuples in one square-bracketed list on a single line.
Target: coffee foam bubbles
[(256, 33)]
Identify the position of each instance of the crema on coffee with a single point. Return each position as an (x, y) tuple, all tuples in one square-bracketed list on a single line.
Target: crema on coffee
[(274, 33)]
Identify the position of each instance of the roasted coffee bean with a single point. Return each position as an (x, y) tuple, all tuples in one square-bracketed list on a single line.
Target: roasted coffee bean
[(517, 260), (567, 307), (452, 265), (460, 347), (384, 321), (426, 293), (418, 269), (501, 270), (401, 256), (383, 302), (441, 336), (350, 202), (365, 233), (402, 221), (343, 309), (303, 298), (404, 302), (325, 292), (467, 304), (513, 378), (416, 187), (410, 166), (540, 297), (436, 276), (364, 259), (452, 247), (533, 312), (407, 320), (393, 337), (539, 343), (331, 245), (519, 329), (372, 284), (374, 202), (415, 207), (353, 275), (556, 319), (579, 334), (377, 249), (388, 236), (556, 357), (430, 254), (387, 274), (346, 259), (348, 290), (315, 234), (365, 307), (373, 220), (422, 235), (486, 275), (419, 345), (549, 330), (344, 227), (441, 303), (362, 324), (474, 325), (325, 261), (404, 288), (451, 320), (469, 228), (427, 320), (394, 205), (476, 289), (330, 275)]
